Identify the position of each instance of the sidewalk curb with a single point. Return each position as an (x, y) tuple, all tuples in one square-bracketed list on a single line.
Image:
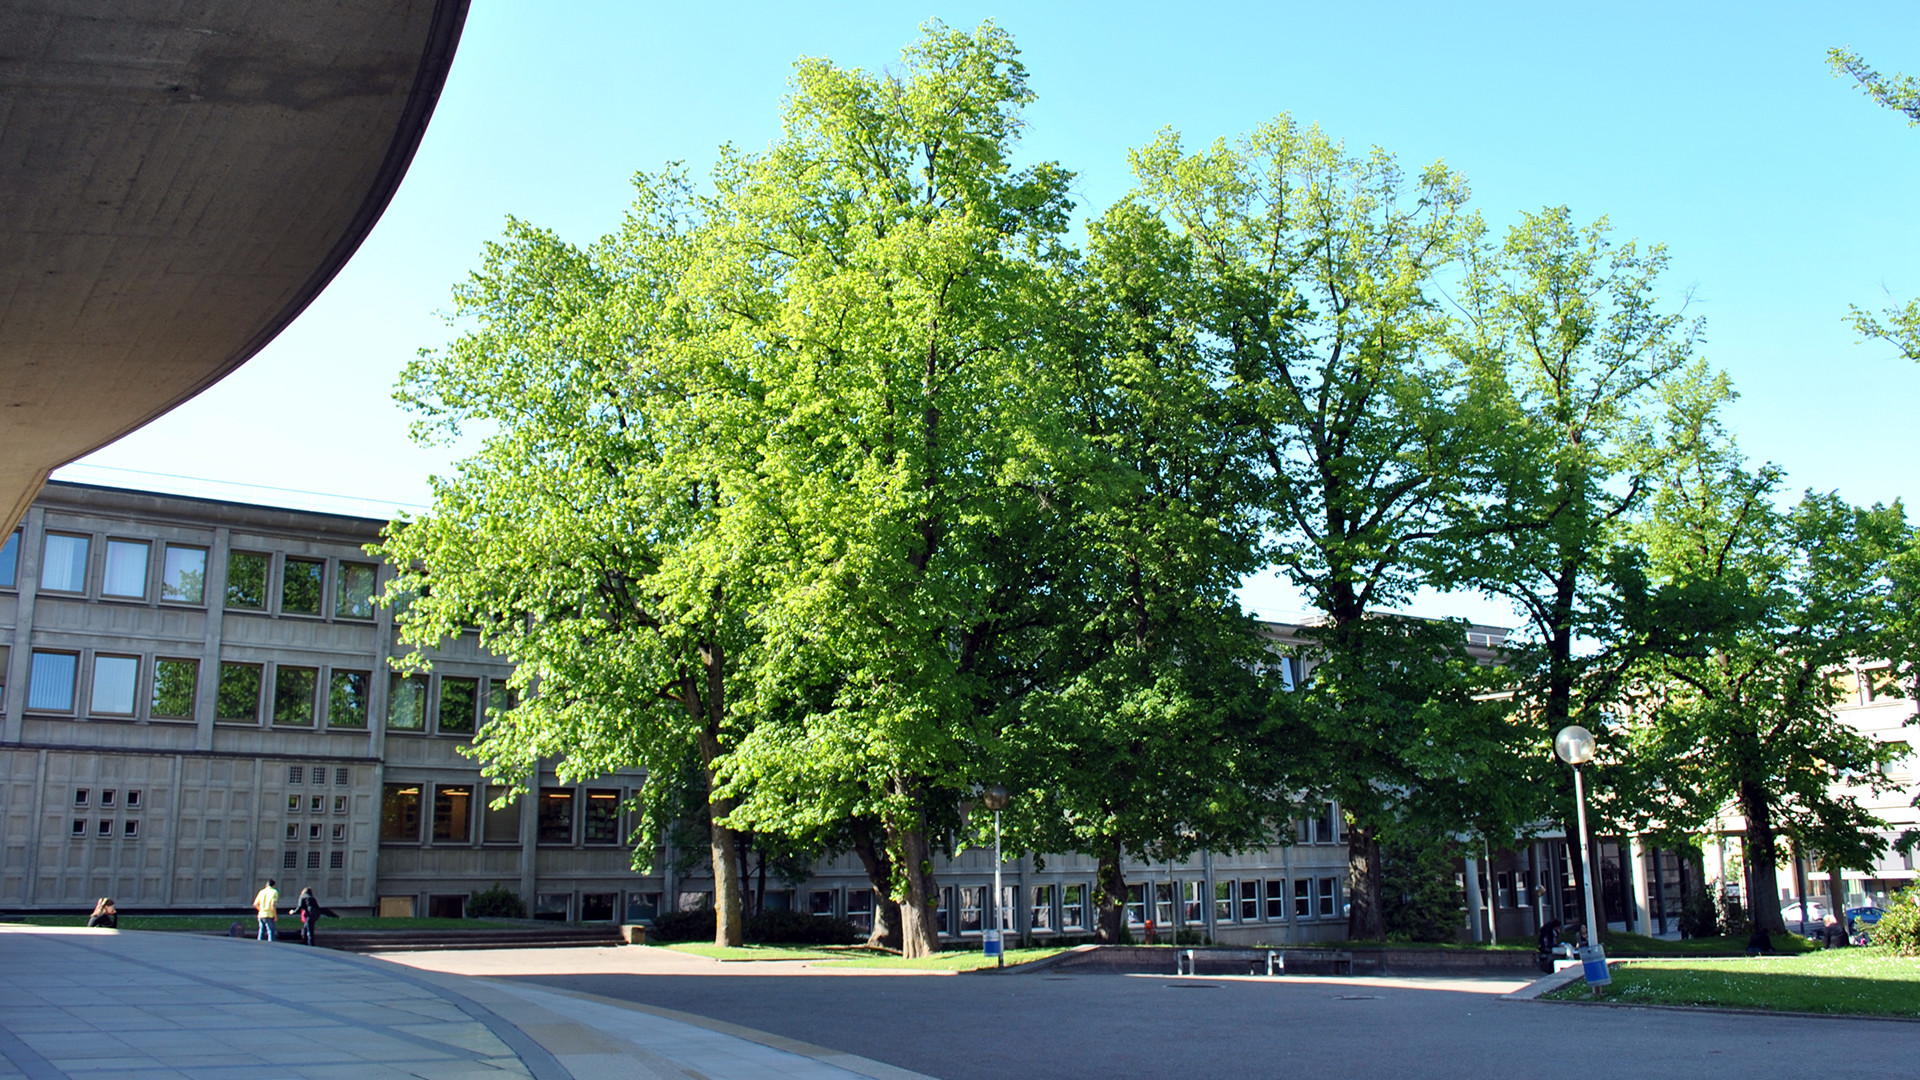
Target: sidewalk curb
[(1729, 1010), (1545, 984)]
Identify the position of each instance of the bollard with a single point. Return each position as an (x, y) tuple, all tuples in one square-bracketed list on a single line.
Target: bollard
[(1276, 962), (1183, 963)]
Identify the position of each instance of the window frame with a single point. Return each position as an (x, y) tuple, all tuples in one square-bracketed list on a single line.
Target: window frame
[(451, 792), (166, 565), (543, 836), (266, 581), (93, 687), (259, 690), (472, 710), (146, 569), (193, 689), (395, 682), (392, 826), (312, 721), (86, 561), (10, 559), (287, 561), (72, 656), (340, 572)]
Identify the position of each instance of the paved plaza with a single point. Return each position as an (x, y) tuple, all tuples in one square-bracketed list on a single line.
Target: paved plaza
[(102, 1005)]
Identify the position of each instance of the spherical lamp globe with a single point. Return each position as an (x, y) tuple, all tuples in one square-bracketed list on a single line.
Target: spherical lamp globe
[(1574, 745)]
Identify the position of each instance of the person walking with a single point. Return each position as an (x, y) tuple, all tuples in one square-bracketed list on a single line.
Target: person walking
[(310, 911), (264, 904), (104, 914)]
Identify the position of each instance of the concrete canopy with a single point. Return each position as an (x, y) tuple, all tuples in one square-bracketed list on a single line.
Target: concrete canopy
[(178, 180)]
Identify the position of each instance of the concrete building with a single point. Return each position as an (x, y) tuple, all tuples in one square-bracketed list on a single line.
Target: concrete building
[(197, 695)]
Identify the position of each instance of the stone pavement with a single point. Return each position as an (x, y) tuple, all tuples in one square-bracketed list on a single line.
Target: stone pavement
[(80, 1004)]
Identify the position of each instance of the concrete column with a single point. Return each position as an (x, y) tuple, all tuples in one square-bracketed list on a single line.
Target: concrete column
[(529, 840), (170, 843), (1634, 863), (20, 659), (1475, 921), (1286, 895), (29, 889), (207, 686)]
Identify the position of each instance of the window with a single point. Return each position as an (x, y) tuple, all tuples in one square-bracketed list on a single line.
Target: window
[(80, 826), (820, 903), (300, 581), (313, 860), (293, 832), (860, 908), (293, 804), (126, 569), (114, 681), (10, 561), (972, 899), (290, 861), (1223, 901), (1303, 898), (343, 775), (400, 813), (173, 686), (313, 831), (238, 698), (1325, 827), (247, 580), (183, 575), (1073, 910), (643, 906), (319, 775), (499, 700), (406, 703), (1136, 905), (1276, 900), (347, 699), (1040, 911), (339, 833), (1503, 888), (105, 829), (452, 814), (80, 796), (293, 689), (1327, 889), (458, 698), (556, 816), (353, 591), (296, 774), (107, 798), (130, 829), (316, 803), (555, 907), (597, 907), (336, 860), (63, 568), (1249, 901), (603, 817), (1163, 903), (502, 824), (50, 682), (339, 804)]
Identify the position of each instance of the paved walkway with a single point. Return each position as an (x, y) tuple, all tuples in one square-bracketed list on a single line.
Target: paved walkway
[(104, 1005)]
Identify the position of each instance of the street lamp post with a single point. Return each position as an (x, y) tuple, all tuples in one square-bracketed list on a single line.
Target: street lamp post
[(996, 799), (1575, 746)]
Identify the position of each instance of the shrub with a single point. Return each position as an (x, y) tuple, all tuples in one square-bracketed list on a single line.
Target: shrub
[(1733, 917), (498, 902), (682, 926), (1898, 931), (790, 927), (1698, 919)]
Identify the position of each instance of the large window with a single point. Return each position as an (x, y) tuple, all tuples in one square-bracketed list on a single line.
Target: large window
[(126, 569), (499, 700), (1303, 898), (859, 908), (173, 688), (452, 814), (406, 703), (1328, 888), (1249, 901), (1276, 899), (50, 683), (458, 700), (603, 817), (556, 816), (247, 580), (183, 578), (63, 568), (293, 693), (239, 695), (10, 561), (115, 679), (353, 591), (1040, 911), (347, 699), (1136, 905), (972, 899), (1223, 901), (300, 585), (502, 823), (400, 813), (1073, 909)]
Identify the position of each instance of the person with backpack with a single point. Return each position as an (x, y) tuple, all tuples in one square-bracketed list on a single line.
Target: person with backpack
[(310, 911)]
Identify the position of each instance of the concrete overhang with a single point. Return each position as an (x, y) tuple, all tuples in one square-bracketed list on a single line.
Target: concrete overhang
[(178, 180)]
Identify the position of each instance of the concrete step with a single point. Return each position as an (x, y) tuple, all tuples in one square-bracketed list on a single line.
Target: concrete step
[(542, 938)]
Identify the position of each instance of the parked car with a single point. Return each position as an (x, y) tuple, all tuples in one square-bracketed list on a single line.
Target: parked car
[(1816, 914), (1864, 916)]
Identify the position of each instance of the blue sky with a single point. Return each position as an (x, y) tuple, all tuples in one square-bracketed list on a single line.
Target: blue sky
[(1781, 193)]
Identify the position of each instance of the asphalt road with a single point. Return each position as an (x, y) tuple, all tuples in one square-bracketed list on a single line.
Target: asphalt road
[(1109, 1027)]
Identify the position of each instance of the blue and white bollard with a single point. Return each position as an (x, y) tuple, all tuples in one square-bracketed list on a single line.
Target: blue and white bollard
[(1593, 964)]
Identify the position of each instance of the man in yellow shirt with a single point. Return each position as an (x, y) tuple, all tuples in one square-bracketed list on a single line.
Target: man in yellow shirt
[(264, 905)]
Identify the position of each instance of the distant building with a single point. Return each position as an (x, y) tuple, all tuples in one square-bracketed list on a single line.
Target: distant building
[(197, 696)]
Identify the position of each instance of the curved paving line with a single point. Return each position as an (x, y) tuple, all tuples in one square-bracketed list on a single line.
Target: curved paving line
[(542, 1064)]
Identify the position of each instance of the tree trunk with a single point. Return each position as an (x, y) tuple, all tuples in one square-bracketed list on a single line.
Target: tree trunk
[(1837, 892), (1764, 904), (729, 918), (886, 910), (1366, 914), (1110, 898), (707, 701), (919, 933)]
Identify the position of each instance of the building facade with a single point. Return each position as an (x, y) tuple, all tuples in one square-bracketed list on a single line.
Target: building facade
[(197, 695)]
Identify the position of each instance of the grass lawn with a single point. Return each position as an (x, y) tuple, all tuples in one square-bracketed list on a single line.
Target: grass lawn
[(1858, 981), (287, 924), (1623, 945)]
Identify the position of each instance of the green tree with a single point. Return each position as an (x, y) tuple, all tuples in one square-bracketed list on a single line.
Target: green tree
[(1737, 709), (1319, 272), (1900, 326), (589, 538), (885, 271)]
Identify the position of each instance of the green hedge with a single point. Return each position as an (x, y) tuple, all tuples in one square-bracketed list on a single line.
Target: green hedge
[(1898, 931)]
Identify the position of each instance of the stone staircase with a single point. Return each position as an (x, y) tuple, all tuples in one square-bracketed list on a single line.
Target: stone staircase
[(557, 936)]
